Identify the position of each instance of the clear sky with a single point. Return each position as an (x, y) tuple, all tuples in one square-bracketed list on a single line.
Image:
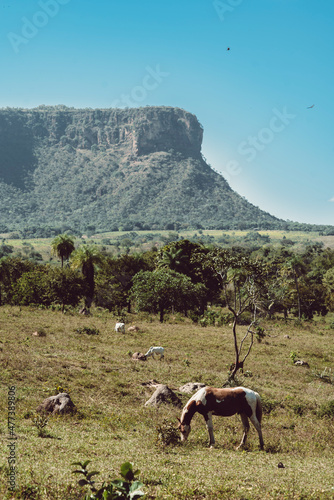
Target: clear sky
[(253, 100)]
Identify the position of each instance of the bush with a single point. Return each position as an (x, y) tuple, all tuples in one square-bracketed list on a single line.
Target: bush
[(167, 434), (214, 318), (87, 330), (126, 488)]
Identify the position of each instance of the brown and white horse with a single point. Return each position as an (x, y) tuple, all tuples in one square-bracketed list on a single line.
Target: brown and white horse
[(209, 401)]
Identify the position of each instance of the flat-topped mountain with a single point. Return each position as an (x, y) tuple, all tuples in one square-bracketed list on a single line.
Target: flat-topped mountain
[(113, 168)]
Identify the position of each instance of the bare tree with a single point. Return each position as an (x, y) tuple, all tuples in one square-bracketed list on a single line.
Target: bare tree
[(242, 282)]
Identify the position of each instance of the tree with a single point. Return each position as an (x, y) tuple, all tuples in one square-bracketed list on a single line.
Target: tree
[(173, 258), (295, 267), (190, 258), (114, 280), (11, 269), (62, 246), (46, 286), (242, 282), (86, 258), (328, 281), (162, 290)]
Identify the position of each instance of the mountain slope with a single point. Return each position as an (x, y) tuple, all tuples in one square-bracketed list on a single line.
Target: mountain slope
[(112, 168)]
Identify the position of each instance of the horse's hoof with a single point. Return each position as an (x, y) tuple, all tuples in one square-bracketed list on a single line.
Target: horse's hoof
[(212, 446)]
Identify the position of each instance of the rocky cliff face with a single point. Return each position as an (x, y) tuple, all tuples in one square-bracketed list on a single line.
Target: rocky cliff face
[(109, 168), (141, 131)]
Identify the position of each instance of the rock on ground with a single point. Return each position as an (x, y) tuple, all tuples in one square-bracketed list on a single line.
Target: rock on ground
[(164, 394), (61, 403), (138, 356), (191, 387)]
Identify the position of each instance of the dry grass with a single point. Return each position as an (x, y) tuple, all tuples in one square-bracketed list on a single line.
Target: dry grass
[(113, 425)]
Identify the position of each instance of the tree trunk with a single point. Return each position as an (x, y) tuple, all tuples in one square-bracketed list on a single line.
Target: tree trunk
[(298, 295), (236, 364)]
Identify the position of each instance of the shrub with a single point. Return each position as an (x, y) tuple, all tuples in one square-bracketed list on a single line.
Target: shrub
[(87, 330), (126, 488), (167, 434), (214, 318), (293, 356), (259, 333), (40, 422)]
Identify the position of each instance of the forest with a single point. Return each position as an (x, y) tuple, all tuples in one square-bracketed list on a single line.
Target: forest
[(180, 275)]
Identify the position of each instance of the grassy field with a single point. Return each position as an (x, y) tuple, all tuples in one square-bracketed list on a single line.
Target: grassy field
[(113, 425)]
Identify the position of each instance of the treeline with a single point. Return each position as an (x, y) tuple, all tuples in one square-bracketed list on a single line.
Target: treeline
[(182, 276), (34, 231)]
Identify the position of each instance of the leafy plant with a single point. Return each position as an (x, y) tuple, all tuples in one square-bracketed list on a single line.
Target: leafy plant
[(259, 333), (167, 434), (122, 489), (293, 356), (59, 389), (87, 330), (40, 422)]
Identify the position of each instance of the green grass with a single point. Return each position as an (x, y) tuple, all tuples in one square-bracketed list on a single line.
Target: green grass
[(112, 424)]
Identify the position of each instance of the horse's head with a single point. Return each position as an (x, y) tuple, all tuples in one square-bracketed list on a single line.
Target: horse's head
[(184, 429)]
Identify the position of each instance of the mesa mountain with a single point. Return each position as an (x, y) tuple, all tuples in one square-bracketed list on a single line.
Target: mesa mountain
[(109, 169)]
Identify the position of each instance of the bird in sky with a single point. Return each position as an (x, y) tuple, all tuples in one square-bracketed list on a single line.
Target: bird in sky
[(228, 48), (309, 107)]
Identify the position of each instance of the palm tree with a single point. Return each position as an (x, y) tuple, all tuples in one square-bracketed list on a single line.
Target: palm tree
[(295, 268), (174, 259), (85, 258), (62, 246)]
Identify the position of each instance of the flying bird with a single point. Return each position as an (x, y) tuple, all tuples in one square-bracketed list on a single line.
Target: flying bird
[(228, 48), (309, 107)]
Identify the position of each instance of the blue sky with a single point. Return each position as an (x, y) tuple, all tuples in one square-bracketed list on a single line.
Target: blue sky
[(252, 100)]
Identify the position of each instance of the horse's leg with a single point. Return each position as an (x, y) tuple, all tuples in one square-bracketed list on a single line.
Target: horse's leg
[(245, 424), (209, 426), (257, 426)]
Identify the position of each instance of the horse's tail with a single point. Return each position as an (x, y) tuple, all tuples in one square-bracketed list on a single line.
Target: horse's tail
[(258, 408)]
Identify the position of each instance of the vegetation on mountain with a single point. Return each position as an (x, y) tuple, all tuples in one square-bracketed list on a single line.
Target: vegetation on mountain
[(95, 170)]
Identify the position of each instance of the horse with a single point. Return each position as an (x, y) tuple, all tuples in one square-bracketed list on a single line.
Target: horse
[(225, 402)]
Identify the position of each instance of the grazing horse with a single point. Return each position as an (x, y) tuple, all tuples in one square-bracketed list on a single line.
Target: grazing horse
[(209, 401)]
